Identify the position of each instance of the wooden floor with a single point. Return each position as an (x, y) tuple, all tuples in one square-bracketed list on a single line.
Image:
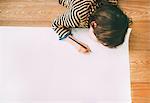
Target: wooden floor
[(42, 12)]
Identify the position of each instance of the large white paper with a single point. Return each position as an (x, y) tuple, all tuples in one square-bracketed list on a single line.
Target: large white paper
[(38, 68)]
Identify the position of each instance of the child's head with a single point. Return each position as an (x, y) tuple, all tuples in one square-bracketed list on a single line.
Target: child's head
[(109, 25)]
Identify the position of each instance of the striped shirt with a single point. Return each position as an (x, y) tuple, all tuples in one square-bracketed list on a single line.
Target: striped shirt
[(77, 16)]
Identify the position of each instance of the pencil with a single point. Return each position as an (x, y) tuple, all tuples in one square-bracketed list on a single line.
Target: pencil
[(78, 43)]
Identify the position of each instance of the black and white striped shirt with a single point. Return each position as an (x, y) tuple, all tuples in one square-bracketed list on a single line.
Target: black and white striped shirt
[(77, 16)]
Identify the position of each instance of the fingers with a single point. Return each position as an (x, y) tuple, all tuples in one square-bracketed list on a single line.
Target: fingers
[(88, 49)]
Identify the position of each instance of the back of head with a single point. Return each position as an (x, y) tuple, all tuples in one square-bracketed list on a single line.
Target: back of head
[(112, 25)]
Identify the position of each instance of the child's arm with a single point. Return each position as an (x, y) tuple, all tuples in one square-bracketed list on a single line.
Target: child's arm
[(62, 25)]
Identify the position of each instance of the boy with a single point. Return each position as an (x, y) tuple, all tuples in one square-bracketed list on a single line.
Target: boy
[(107, 23)]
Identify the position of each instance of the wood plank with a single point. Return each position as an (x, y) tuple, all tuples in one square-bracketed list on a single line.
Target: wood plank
[(140, 72), (42, 10), (137, 9), (140, 92), (25, 11), (140, 38)]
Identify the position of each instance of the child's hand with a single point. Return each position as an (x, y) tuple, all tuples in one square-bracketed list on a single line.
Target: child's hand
[(80, 46), (84, 49)]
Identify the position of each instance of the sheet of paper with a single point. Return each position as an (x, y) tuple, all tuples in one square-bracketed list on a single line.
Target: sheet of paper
[(38, 68)]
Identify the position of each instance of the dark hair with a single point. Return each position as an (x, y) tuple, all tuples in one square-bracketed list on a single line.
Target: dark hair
[(112, 25)]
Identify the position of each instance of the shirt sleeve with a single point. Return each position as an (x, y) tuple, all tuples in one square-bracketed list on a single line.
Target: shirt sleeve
[(63, 24)]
